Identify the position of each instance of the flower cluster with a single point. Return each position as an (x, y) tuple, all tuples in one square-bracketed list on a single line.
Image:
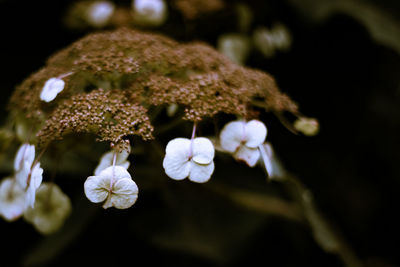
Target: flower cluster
[(43, 205)]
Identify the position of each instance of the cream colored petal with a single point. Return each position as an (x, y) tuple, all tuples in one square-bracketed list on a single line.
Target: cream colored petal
[(203, 150), (255, 132), (96, 188), (179, 147), (248, 155), (232, 135), (12, 200), (125, 193), (26, 153), (177, 168), (49, 214), (117, 172), (201, 173)]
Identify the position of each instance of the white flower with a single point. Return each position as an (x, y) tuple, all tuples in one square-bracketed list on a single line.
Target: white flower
[(12, 199), (51, 209), (242, 139), (114, 185), (149, 12), (99, 13), (51, 89), (189, 158), (26, 153), (107, 160), (36, 177)]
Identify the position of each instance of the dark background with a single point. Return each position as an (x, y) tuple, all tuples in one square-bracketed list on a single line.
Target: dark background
[(335, 71)]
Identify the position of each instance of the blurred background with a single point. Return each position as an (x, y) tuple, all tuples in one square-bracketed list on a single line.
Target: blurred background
[(342, 67)]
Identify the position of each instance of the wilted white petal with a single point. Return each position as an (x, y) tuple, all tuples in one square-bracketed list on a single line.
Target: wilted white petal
[(149, 12), (107, 161), (34, 183), (51, 89), (308, 126), (248, 155), (99, 13), (255, 132), (201, 173), (203, 150), (51, 209), (125, 193), (232, 135), (96, 188), (26, 153), (12, 200)]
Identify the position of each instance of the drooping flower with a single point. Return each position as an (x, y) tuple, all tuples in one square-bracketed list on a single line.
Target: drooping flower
[(27, 176), (99, 13), (192, 158), (12, 199), (242, 139), (114, 185), (149, 12), (107, 160), (51, 209), (51, 89)]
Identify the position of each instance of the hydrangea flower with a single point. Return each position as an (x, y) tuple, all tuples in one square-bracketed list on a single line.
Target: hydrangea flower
[(27, 176), (51, 209), (51, 89), (149, 12), (99, 13), (242, 139), (192, 158), (12, 199), (107, 160), (114, 185)]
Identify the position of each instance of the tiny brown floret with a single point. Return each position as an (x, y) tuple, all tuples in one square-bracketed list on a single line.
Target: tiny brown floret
[(138, 70)]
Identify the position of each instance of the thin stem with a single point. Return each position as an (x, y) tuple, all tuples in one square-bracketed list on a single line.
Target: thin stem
[(65, 75), (113, 170)]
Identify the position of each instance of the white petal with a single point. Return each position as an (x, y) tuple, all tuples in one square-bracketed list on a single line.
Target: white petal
[(30, 196), (176, 167), (149, 12), (232, 135), (36, 176), (203, 150), (201, 173), (25, 153), (125, 193), (51, 88), (176, 161), (12, 200), (22, 174), (255, 132), (117, 172), (107, 161), (248, 155), (97, 188)]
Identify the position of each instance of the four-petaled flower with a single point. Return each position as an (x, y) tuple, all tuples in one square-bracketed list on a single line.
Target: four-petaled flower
[(51, 89), (242, 139), (107, 160), (191, 158), (114, 185), (12, 199), (51, 209)]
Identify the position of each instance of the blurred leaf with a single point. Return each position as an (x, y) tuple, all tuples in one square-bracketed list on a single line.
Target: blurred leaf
[(383, 27)]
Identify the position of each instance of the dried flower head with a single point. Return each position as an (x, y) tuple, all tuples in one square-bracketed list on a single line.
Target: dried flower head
[(51, 209), (136, 71), (191, 158)]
